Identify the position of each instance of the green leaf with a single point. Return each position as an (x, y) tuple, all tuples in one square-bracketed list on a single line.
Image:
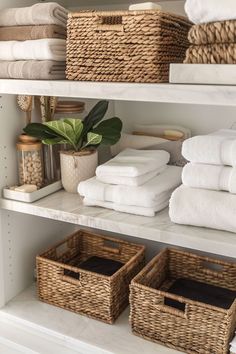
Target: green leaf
[(110, 130), (95, 116), (64, 130), (93, 139), (77, 126), (40, 131)]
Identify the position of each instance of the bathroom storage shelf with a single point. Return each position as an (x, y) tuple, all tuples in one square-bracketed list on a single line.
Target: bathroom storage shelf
[(165, 93), (66, 207)]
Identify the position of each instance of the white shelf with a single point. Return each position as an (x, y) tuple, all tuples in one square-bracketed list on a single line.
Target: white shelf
[(172, 93), (79, 332), (68, 208)]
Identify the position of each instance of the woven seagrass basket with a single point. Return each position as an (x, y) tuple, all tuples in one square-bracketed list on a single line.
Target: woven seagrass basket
[(125, 46), (199, 328), (62, 283)]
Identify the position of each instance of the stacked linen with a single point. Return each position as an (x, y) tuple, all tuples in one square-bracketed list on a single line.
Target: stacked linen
[(208, 195), (135, 181), (212, 38), (33, 42)]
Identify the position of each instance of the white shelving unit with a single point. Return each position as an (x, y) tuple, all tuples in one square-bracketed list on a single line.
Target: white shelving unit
[(27, 229)]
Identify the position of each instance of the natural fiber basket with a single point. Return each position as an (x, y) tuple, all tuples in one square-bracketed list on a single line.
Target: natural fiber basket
[(211, 54), (128, 46), (95, 295), (213, 33), (200, 328)]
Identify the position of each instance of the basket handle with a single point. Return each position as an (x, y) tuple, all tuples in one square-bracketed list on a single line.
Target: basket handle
[(111, 246), (70, 280), (212, 267), (171, 310), (110, 23)]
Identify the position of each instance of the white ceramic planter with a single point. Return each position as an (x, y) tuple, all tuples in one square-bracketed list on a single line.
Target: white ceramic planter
[(77, 167)]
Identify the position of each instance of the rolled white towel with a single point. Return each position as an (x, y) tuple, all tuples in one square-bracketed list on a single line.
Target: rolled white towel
[(204, 11), (136, 210), (214, 177), (131, 181), (204, 208), (40, 49), (147, 195), (133, 163), (38, 14), (233, 346), (218, 148), (145, 6)]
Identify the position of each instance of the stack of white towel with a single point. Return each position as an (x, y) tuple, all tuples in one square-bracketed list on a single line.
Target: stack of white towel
[(135, 181), (41, 58), (233, 346), (208, 195)]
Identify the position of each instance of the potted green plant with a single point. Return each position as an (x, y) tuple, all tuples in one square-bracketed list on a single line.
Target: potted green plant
[(84, 137)]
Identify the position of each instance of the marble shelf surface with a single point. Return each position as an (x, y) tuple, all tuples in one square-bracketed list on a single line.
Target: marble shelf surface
[(84, 334), (68, 208), (190, 94)]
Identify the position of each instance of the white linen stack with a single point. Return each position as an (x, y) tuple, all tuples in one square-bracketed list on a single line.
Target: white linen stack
[(38, 50), (135, 181), (207, 197)]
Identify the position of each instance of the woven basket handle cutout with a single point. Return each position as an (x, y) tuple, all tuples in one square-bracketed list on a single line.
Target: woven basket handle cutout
[(110, 23), (111, 246), (171, 310), (212, 268)]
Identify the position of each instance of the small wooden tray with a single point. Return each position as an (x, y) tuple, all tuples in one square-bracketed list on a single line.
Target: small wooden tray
[(32, 197)]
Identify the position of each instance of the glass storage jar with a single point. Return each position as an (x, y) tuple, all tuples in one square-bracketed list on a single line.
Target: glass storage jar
[(30, 161), (70, 109)]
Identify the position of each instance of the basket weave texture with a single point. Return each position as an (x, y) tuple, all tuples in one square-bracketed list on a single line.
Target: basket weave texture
[(212, 43), (201, 328), (125, 46), (95, 295)]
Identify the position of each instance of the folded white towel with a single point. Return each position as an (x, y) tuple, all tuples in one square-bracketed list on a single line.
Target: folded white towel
[(131, 181), (147, 195), (38, 14), (40, 49), (218, 148), (203, 11), (205, 208), (136, 210), (159, 129), (219, 178), (145, 6), (135, 142), (133, 163)]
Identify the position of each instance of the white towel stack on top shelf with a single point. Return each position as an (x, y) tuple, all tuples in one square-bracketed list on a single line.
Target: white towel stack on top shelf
[(233, 346), (41, 58), (207, 197), (135, 181)]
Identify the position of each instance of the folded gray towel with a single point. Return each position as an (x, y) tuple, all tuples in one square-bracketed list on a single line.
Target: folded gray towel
[(49, 13), (32, 70)]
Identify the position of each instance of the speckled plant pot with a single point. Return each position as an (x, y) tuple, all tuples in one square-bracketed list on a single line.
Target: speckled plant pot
[(77, 167)]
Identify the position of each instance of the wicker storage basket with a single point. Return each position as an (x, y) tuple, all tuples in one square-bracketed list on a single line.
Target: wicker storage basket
[(211, 54), (128, 46), (200, 328), (95, 295)]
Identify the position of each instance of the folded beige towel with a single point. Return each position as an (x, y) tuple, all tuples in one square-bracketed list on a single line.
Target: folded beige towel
[(49, 13), (32, 70), (24, 33)]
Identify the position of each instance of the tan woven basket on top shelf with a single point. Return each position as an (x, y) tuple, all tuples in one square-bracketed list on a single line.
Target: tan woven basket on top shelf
[(200, 328), (125, 46), (95, 295)]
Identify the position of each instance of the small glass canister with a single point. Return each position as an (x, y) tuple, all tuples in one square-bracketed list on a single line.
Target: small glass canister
[(30, 161)]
